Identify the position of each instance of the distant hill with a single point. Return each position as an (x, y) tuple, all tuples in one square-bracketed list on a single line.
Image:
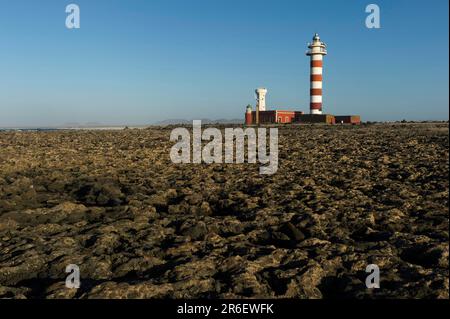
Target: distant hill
[(204, 121)]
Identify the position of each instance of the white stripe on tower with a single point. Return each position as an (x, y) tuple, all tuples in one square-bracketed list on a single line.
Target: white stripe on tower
[(316, 84), (316, 98), (316, 70)]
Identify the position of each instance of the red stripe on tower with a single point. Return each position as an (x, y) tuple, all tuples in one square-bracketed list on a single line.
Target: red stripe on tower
[(316, 77), (315, 92)]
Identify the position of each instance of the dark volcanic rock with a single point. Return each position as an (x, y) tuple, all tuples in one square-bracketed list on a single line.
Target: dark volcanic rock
[(196, 231), (292, 232), (139, 226), (100, 194)]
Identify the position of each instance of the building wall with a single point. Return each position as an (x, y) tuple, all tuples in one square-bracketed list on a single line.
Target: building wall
[(315, 118), (285, 116), (348, 119), (265, 117), (269, 117)]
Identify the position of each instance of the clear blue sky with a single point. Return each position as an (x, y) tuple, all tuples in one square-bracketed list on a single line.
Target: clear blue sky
[(141, 61)]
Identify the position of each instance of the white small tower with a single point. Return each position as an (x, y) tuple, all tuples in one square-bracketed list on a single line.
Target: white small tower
[(317, 49), (261, 99)]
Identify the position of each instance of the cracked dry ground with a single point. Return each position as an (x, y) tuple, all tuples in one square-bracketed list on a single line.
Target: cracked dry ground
[(139, 226)]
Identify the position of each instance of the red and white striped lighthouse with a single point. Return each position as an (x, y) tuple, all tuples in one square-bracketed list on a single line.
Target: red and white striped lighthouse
[(317, 49)]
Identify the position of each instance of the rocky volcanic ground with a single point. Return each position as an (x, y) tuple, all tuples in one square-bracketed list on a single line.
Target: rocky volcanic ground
[(139, 226)]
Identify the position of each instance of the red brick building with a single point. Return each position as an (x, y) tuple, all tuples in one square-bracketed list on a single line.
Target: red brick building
[(273, 116), (298, 117)]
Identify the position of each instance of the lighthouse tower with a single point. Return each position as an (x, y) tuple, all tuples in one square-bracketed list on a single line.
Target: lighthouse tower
[(261, 98), (249, 115), (317, 49)]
